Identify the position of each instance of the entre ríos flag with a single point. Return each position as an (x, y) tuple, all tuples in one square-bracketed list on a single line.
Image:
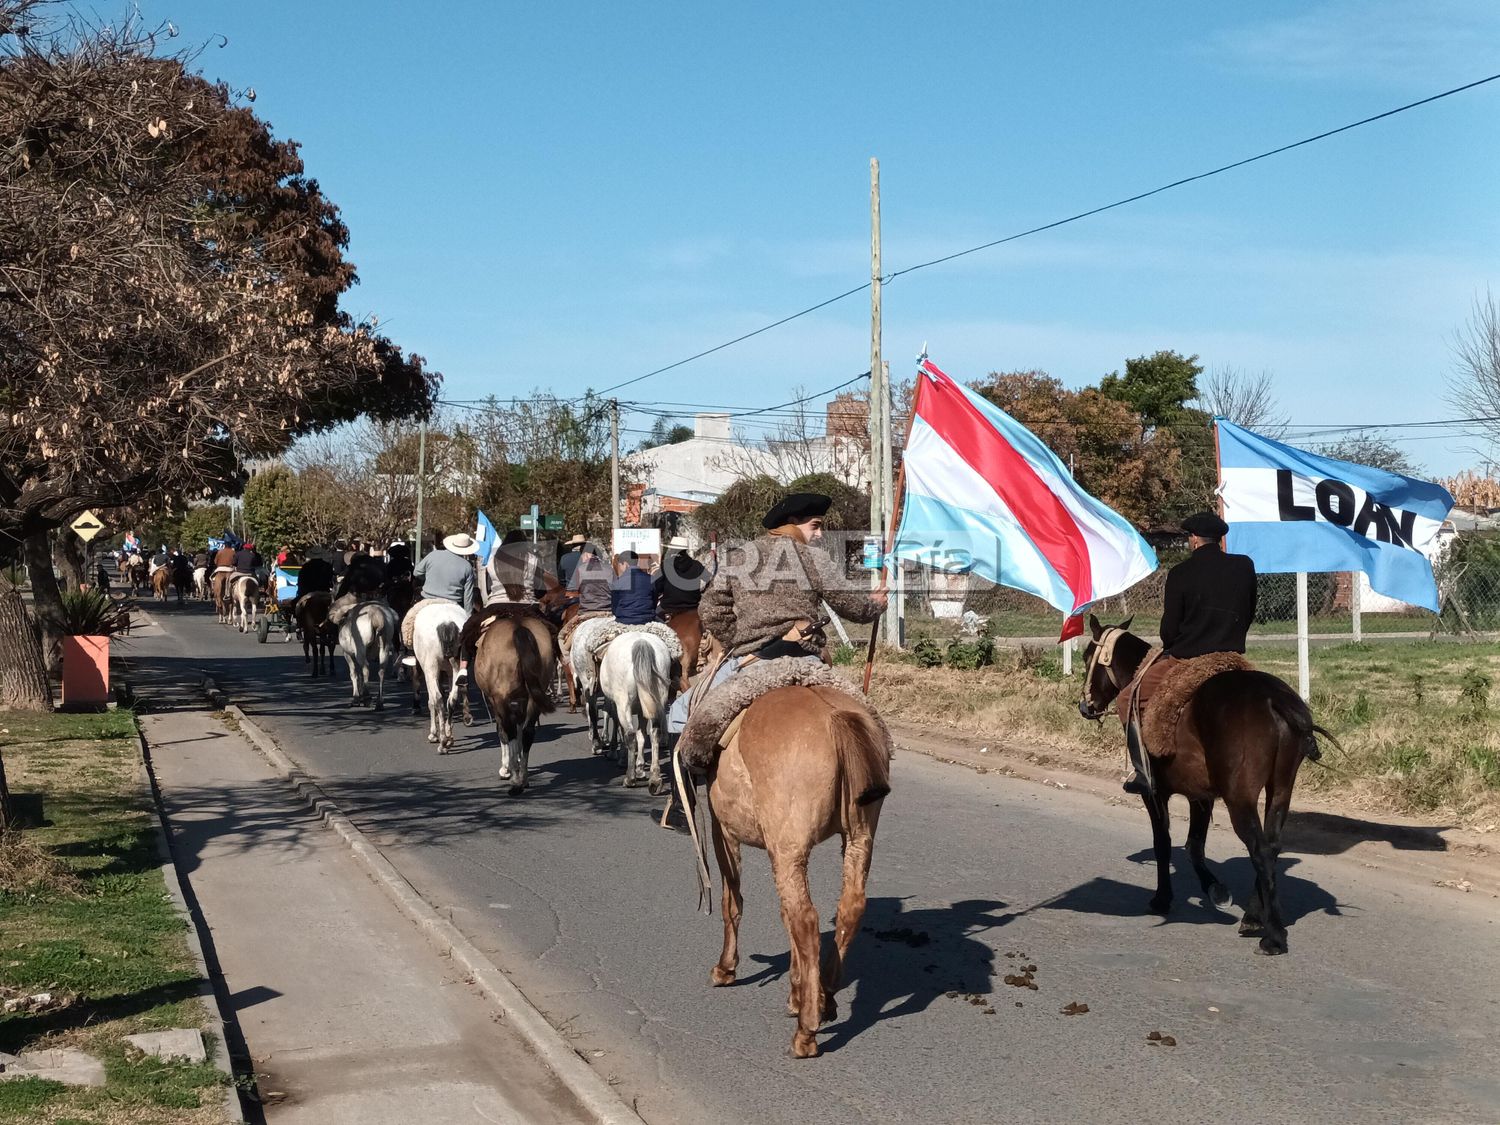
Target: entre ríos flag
[(981, 487), (1291, 510)]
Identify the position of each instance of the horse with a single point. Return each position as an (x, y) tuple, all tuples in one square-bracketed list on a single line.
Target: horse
[(1242, 733), (636, 677), (689, 629), (161, 581), (223, 601), (318, 636), (182, 577), (244, 593), (583, 677), (367, 637), (133, 569), (435, 643), (200, 583), (513, 669), (807, 763)]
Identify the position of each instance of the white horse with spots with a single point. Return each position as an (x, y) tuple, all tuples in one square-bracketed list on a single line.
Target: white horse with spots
[(367, 636), (244, 596), (434, 642), (636, 677)]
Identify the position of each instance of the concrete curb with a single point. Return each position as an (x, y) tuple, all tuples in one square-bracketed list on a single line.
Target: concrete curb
[(234, 1106), (594, 1094)]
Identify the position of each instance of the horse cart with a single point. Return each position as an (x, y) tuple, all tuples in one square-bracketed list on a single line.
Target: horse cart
[(281, 592)]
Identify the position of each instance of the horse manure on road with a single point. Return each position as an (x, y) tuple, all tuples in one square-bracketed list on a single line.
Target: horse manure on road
[(1158, 1039), (1075, 1009)]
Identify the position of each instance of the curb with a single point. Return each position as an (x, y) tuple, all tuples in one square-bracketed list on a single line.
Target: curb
[(233, 1105), (598, 1099)]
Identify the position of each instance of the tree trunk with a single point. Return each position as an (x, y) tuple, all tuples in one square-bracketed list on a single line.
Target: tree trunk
[(67, 553), (5, 813), (46, 599), (23, 673)]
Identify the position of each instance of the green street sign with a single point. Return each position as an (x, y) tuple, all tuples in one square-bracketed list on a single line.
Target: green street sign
[(552, 523)]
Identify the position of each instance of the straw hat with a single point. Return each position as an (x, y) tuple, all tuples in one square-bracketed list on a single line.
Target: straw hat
[(677, 543), (460, 544), (576, 541)]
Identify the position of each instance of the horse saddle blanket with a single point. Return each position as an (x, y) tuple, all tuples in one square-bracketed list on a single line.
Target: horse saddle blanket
[(344, 606), (1165, 708), (565, 638), (409, 622), (600, 638), (714, 720)]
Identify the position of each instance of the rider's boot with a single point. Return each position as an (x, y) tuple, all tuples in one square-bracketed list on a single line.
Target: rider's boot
[(1139, 780)]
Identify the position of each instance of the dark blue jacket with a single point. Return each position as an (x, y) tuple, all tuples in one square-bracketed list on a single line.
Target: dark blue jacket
[(632, 599)]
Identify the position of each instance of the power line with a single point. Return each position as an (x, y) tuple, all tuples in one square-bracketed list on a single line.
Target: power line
[(1059, 223)]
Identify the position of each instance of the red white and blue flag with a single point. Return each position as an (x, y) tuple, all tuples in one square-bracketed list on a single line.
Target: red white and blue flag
[(981, 485)]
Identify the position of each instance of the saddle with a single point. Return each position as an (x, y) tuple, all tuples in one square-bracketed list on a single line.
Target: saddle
[(602, 637), (1163, 712)]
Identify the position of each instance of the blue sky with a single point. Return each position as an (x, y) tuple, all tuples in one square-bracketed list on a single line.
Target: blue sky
[(566, 196)]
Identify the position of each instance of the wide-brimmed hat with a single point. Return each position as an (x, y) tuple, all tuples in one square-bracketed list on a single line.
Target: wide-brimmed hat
[(577, 541), (677, 543), (799, 507), (460, 544), (1205, 525)]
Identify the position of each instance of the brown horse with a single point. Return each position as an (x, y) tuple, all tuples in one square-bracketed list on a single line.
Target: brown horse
[(161, 582), (513, 668), (318, 635), (807, 763), (689, 630), (218, 587), (1242, 733)]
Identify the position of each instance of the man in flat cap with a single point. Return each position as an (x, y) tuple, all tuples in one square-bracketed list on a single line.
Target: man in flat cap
[(1208, 607)]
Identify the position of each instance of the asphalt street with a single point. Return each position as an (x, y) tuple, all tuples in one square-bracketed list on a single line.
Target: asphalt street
[(1386, 1008)]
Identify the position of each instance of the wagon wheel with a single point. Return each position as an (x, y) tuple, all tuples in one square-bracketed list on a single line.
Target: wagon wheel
[(262, 630)]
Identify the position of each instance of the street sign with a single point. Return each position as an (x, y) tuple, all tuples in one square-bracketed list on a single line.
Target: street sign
[(552, 523), (641, 540), (528, 523), (87, 526)]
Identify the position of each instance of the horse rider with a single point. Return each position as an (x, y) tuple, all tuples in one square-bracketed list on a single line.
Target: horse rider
[(1208, 606), (364, 574), (132, 543), (444, 573), (589, 584), (247, 560), (567, 564), (511, 577), (766, 603), (680, 583), (397, 560), (632, 596)]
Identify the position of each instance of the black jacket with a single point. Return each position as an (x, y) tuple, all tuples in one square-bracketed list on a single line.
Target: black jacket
[(1209, 604), (680, 584)]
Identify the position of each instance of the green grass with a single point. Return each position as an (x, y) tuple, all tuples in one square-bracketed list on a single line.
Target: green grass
[(89, 916)]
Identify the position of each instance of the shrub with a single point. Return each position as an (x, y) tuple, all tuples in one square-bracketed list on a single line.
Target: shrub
[(926, 653), (1474, 692), (88, 613)]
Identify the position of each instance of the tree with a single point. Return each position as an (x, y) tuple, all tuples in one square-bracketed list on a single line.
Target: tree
[(1365, 448), (735, 514), (664, 431), (1246, 399), (1474, 383), (169, 287), (200, 524), (1158, 387), (275, 512)]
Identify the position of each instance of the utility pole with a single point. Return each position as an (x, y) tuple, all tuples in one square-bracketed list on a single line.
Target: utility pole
[(876, 475), (614, 463), (421, 484), (895, 624)]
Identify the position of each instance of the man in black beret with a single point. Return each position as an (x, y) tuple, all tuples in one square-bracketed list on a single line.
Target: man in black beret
[(1208, 607)]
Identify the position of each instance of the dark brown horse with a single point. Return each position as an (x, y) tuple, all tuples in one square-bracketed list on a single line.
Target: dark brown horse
[(1242, 733), (513, 669), (318, 634)]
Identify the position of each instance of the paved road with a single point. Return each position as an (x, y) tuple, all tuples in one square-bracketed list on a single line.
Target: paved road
[(1385, 1010)]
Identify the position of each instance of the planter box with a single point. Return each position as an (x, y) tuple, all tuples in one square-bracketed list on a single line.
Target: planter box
[(85, 671)]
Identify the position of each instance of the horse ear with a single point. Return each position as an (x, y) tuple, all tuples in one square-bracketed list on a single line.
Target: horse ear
[(1126, 623), (1094, 626)]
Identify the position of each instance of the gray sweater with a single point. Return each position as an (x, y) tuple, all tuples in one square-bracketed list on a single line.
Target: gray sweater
[(446, 575)]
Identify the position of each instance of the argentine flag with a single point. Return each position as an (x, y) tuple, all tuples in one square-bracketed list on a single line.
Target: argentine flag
[(982, 487), (487, 538), (1291, 510)]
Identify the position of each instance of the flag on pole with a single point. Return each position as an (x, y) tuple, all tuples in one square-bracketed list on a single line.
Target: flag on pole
[(487, 538), (979, 483), (1291, 510)]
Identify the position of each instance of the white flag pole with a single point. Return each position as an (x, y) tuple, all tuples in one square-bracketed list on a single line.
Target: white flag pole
[(1358, 580), (1304, 677)]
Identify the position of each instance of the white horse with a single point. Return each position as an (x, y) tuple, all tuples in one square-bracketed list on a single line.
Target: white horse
[(435, 644), (200, 582), (585, 675), (636, 677), (244, 592), (367, 637)]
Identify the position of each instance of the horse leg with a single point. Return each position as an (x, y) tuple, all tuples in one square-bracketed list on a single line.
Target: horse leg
[(572, 687), (381, 655), (1161, 842), (428, 680), (1200, 812), (501, 713), (789, 868), (727, 852), (1264, 915), (654, 784), (858, 851)]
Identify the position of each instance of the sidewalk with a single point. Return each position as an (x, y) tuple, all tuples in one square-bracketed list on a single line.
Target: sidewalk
[(348, 1014)]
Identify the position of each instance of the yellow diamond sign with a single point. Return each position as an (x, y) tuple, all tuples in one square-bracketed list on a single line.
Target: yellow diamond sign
[(87, 526)]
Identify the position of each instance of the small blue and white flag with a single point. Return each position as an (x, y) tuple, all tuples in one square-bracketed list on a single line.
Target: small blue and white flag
[(487, 538), (1291, 510)]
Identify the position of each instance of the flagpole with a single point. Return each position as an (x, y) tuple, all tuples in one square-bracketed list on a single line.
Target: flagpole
[(1304, 675), (897, 499)]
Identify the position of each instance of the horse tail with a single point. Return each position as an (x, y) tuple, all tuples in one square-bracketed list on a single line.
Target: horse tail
[(651, 685), (534, 673), (862, 756), (1292, 709), (447, 636)]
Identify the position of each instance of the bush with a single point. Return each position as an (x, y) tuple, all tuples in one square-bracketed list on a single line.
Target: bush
[(88, 613), (847, 654), (926, 653)]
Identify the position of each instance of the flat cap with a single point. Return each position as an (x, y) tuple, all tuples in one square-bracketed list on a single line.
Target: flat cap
[(1205, 525), (798, 508)]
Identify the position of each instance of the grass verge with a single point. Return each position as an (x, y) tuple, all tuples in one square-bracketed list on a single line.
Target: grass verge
[(1419, 721), (85, 915)]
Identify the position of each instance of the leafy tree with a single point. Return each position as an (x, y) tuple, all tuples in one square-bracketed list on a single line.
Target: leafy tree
[(666, 432), (202, 523), (1365, 448), (735, 514), (1158, 387), (275, 510)]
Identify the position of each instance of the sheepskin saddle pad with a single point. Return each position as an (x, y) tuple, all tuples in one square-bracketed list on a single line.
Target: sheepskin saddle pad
[(565, 638), (1170, 700), (600, 638), (342, 607), (710, 720), (409, 622)]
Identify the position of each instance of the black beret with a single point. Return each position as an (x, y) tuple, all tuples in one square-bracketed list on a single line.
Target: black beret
[(799, 507), (1205, 525)]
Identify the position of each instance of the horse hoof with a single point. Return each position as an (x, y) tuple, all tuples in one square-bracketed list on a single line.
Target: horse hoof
[(830, 1009), (432, 738), (1270, 947), (516, 790), (720, 977), (468, 720), (1251, 927), (1219, 894), (805, 1046), (379, 707), (1161, 904), (655, 787)]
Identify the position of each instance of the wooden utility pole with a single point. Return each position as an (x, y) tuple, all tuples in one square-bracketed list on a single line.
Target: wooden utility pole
[(876, 476), (421, 484), (895, 624), (614, 463)]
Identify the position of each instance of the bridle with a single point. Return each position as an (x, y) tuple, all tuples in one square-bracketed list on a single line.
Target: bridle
[(1103, 657)]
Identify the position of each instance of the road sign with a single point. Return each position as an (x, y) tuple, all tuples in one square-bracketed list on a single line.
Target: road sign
[(87, 526), (552, 523), (528, 523)]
